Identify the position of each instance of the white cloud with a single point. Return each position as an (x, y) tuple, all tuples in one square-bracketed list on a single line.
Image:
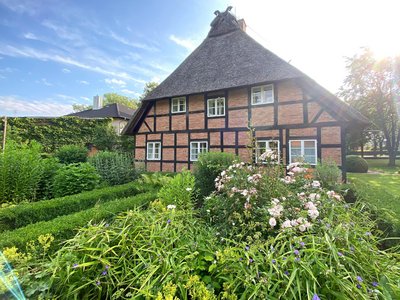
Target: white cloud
[(65, 70), (16, 106), (66, 97), (30, 36), (84, 82), (85, 98), (44, 81), (114, 81), (188, 44), (130, 92), (127, 42), (36, 54), (65, 33)]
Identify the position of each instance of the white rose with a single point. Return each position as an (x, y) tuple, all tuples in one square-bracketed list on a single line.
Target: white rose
[(272, 222)]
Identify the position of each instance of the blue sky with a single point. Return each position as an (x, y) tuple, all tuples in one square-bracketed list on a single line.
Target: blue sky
[(54, 53)]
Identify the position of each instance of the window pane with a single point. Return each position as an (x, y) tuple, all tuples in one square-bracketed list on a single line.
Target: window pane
[(295, 144), (309, 144)]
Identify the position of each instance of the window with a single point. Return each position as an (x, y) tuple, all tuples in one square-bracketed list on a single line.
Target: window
[(196, 148), (303, 150), (216, 107), (153, 151), (262, 94), (262, 146), (178, 105)]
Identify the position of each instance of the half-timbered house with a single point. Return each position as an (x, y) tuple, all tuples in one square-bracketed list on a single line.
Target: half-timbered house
[(231, 82)]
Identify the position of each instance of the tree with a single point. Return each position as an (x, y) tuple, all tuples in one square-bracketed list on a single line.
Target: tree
[(81, 107), (148, 88), (373, 87), (110, 98)]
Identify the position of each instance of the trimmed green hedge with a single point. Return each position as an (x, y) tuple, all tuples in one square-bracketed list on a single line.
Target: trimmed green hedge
[(25, 214), (64, 227), (356, 164)]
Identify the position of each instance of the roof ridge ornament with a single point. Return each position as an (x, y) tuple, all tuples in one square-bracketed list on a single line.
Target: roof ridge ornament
[(223, 23)]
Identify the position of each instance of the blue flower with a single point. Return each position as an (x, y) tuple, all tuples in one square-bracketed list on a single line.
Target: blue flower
[(340, 254), (287, 273), (315, 297), (247, 248), (107, 267), (296, 252), (251, 260), (169, 221), (240, 258), (273, 261), (359, 279), (358, 286), (284, 258), (74, 266), (104, 273), (375, 284), (368, 233), (107, 225), (98, 282), (297, 259), (302, 244)]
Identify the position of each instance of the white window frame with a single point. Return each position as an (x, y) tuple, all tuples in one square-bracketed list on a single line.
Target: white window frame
[(263, 101), (302, 149), (215, 100), (153, 156), (179, 99), (197, 143), (267, 141)]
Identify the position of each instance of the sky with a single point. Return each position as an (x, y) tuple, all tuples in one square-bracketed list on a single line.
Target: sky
[(54, 53)]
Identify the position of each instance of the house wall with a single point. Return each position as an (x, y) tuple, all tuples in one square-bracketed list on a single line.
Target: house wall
[(294, 115)]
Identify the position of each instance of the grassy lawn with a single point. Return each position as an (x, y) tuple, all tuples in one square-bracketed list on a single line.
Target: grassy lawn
[(383, 189)]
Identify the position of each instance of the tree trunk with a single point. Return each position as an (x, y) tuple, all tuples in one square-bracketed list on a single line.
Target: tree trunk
[(392, 157)]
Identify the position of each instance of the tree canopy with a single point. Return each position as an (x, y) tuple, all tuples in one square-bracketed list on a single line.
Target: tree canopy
[(373, 87)]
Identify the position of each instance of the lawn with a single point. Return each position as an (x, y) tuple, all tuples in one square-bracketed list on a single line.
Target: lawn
[(381, 186)]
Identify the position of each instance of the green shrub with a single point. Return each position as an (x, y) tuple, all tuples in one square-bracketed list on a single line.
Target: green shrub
[(28, 213), (356, 164), (71, 154), (74, 179), (20, 172), (328, 174), (179, 191), (64, 227), (159, 257), (208, 167), (45, 185), (113, 167)]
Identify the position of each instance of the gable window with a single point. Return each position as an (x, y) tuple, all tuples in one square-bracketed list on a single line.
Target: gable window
[(178, 105), (262, 94), (263, 145), (153, 151), (303, 150), (216, 107), (196, 148)]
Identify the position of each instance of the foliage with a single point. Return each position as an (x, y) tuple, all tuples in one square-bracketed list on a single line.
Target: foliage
[(163, 254), (113, 167), (70, 154), (110, 98), (20, 172), (328, 174), (148, 88), (53, 133), (63, 227), (154, 179), (356, 164), (74, 179), (81, 107), (28, 213), (372, 87), (179, 192), (105, 138), (208, 167), (45, 185)]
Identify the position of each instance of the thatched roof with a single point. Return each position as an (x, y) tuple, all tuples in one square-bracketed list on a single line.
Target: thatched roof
[(114, 110), (227, 58)]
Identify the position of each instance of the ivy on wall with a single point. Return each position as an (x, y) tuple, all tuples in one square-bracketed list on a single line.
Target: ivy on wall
[(53, 133)]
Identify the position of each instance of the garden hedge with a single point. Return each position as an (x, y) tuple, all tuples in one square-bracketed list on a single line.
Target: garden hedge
[(64, 227), (356, 164), (25, 214)]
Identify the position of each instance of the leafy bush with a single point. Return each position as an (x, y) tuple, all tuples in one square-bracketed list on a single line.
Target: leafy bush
[(64, 227), (74, 179), (208, 167), (328, 174), (113, 167), (105, 138), (28, 213), (45, 185), (179, 191), (20, 172), (356, 164), (70, 154), (161, 256)]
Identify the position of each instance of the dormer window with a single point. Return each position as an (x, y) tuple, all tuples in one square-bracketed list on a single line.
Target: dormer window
[(262, 94), (178, 105)]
